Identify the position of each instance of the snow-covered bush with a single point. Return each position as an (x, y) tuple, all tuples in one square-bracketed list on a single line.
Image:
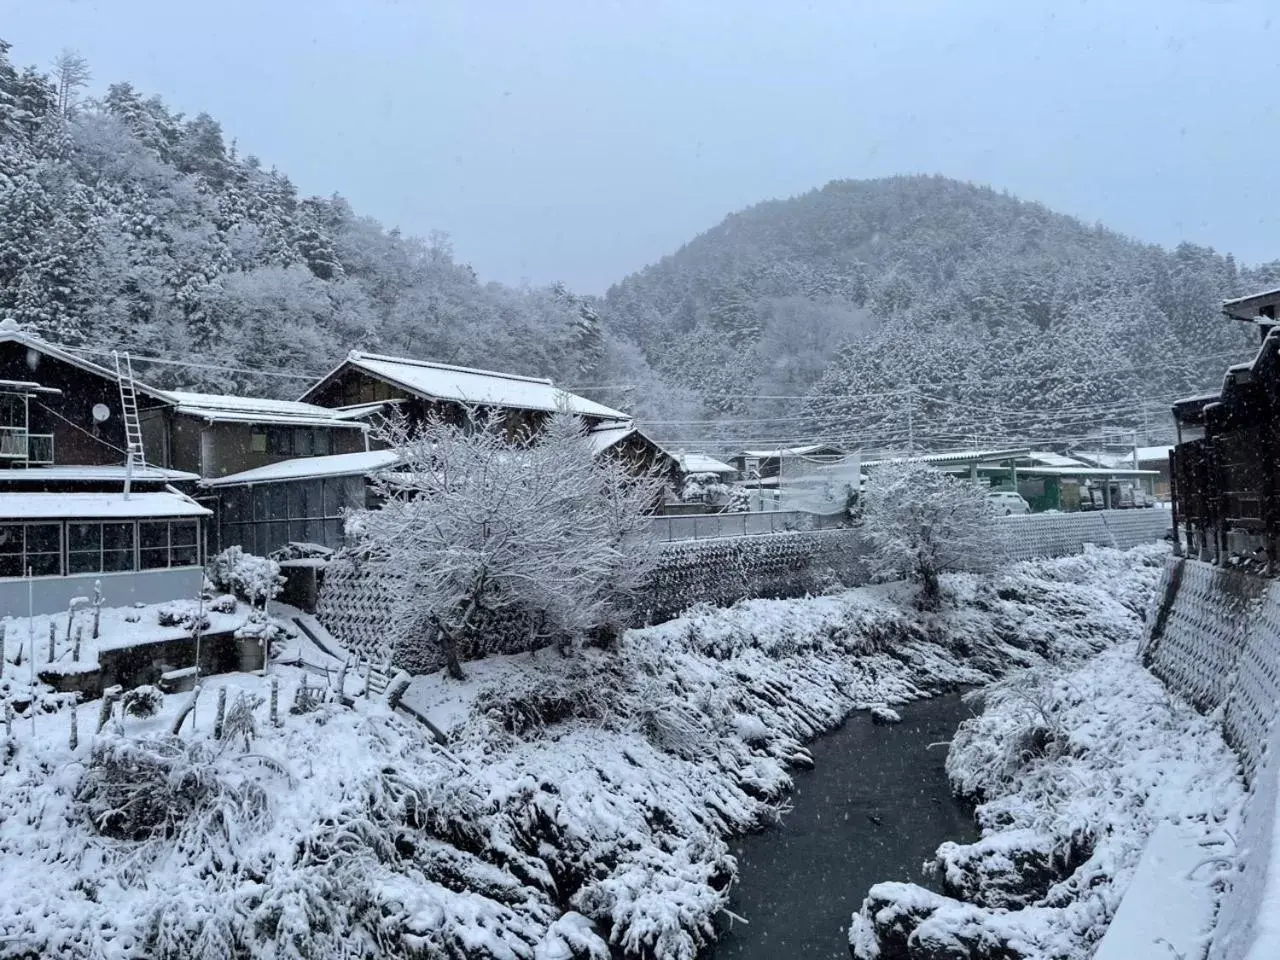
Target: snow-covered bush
[(142, 701), (922, 522), (240, 723), (182, 613), (157, 787), (709, 488), (253, 579), (479, 523)]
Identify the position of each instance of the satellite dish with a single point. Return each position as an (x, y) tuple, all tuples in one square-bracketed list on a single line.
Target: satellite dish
[(100, 412)]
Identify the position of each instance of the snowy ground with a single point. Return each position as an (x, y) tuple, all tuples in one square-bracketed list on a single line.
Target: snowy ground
[(52, 638), (581, 802), (1075, 768)]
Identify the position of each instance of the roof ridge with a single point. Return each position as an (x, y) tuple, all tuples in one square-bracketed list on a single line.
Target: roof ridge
[(357, 355)]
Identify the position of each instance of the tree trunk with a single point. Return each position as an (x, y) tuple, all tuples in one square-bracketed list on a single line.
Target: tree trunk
[(930, 597), (449, 647)]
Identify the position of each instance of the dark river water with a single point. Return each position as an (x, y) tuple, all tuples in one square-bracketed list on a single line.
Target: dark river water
[(874, 808)]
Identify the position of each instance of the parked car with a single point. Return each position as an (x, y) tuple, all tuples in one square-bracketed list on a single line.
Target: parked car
[(1007, 503)]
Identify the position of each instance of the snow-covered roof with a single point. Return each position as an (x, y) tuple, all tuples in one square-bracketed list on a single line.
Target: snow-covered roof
[(96, 506), (224, 408), (1154, 453), (358, 411), (1199, 398), (805, 451), (309, 468), (442, 381), (957, 456), (1085, 472), (1250, 307), (1047, 458), (605, 436), (93, 474), (701, 463)]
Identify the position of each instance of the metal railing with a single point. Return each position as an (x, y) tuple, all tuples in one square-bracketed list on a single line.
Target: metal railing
[(13, 443), (17, 444)]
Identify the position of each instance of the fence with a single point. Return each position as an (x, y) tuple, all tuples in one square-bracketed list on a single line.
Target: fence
[(709, 526), (356, 603), (1060, 534)]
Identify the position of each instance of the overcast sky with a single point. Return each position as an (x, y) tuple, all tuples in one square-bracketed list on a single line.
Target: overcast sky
[(582, 139)]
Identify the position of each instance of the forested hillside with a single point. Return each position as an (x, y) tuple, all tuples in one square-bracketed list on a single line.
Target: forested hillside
[(867, 311), (927, 308), (125, 224)]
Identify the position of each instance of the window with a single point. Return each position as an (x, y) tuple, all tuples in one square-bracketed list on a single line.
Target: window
[(323, 444), (168, 543), (117, 547), (280, 441), (37, 546), (258, 441), (44, 549), (99, 547), (304, 442)]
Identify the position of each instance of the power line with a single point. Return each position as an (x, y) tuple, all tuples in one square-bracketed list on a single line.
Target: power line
[(201, 366)]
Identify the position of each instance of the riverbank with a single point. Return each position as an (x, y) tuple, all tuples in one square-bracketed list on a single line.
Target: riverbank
[(1073, 768), (583, 803)]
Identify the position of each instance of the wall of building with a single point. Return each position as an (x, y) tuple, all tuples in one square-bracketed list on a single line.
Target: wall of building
[(78, 438), (54, 594), (230, 446)]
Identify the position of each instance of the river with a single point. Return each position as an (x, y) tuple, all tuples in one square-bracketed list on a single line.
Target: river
[(875, 807)]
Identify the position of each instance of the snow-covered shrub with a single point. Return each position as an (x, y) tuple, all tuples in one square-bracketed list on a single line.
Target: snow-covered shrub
[(922, 522), (479, 523), (182, 613), (142, 701), (710, 489), (223, 604), (253, 579), (240, 722), (306, 698), (152, 788)]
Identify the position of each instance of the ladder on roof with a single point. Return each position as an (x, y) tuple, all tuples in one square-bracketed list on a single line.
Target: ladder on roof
[(129, 408)]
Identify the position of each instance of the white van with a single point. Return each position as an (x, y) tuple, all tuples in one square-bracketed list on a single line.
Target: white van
[(1006, 503)]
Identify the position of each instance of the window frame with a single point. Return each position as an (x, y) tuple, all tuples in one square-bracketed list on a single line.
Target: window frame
[(24, 551)]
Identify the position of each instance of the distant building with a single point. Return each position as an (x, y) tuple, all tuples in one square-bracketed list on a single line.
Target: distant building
[(698, 464)]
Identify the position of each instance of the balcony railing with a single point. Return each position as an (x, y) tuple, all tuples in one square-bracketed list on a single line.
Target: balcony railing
[(40, 448), (17, 444)]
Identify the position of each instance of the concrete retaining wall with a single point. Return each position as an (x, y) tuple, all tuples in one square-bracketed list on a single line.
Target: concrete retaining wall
[(1214, 637)]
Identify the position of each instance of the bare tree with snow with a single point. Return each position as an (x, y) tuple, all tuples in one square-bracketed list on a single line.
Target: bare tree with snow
[(480, 521), (922, 522)]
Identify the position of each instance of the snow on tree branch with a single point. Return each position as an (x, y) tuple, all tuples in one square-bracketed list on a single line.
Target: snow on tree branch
[(483, 520), (923, 522)]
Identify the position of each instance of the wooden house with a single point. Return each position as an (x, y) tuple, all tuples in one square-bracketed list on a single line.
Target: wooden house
[(422, 388), (1225, 469)]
